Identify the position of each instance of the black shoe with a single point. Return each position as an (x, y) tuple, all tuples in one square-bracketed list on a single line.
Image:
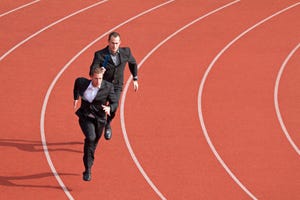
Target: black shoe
[(107, 132), (86, 175)]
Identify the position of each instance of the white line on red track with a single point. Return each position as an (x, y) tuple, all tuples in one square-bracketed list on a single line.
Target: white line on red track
[(122, 118), (43, 111), (201, 91), (49, 26), (18, 8), (45, 102), (296, 148)]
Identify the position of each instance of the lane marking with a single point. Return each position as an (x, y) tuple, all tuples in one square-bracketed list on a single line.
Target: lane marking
[(43, 111), (122, 118), (18, 8), (296, 148), (201, 91), (46, 99), (49, 26)]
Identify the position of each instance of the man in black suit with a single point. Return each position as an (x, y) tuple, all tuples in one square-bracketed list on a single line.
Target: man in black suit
[(113, 59), (98, 100)]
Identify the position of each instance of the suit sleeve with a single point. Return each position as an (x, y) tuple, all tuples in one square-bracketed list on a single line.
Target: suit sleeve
[(95, 63), (76, 90), (78, 86), (132, 65)]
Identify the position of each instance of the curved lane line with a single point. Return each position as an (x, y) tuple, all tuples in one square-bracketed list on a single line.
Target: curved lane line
[(45, 102), (201, 91), (18, 8), (296, 148), (122, 118), (43, 138), (49, 26)]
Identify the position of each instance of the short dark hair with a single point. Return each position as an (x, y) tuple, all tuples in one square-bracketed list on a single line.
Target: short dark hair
[(113, 34)]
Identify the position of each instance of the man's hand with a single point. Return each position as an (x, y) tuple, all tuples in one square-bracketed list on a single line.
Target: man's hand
[(75, 104), (103, 68), (135, 85), (106, 109)]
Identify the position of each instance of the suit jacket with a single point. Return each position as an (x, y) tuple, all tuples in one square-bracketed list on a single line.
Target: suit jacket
[(115, 74), (105, 94)]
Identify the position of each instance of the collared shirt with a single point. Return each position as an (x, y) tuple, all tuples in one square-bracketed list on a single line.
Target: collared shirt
[(115, 57), (90, 93)]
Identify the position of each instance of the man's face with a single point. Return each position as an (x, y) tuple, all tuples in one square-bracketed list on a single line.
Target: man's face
[(114, 44), (96, 79)]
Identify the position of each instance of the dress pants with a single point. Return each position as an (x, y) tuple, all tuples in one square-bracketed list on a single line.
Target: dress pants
[(92, 129), (118, 90)]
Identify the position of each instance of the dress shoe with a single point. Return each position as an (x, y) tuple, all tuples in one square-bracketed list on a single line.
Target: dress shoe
[(86, 175), (107, 132)]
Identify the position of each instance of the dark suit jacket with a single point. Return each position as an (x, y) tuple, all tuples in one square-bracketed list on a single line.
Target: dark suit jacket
[(105, 94), (115, 74)]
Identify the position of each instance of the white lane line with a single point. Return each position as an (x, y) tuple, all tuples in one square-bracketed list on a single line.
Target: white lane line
[(46, 99), (296, 148), (201, 91), (43, 111), (122, 118), (18, 8), (49, 26)]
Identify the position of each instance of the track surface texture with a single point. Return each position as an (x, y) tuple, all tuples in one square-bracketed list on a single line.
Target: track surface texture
[(216, 115)]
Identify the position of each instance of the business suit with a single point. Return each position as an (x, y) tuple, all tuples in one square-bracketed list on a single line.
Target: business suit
[(92, 117), (115, 73)]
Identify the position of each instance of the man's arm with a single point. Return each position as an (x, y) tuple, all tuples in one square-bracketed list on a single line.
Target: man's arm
[(76, 93), (95, 63), (132, 64), (133, 69)]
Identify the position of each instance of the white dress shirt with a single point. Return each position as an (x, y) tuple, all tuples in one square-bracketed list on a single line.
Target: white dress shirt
[(90, 93)]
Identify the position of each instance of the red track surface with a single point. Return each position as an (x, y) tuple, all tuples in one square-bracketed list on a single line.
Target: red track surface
[(219, 141)]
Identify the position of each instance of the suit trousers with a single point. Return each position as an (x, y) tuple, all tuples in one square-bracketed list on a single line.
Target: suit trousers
[(92, 130), (118, 90)]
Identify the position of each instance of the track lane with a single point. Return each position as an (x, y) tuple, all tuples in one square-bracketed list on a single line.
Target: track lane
[(30, 173), (267, 155), (290, 94), (182, 192), (8, 5), (24, 138), (108, 170), (22, 24), (17, 8), (154, 106), (152, 29), (91, 190)]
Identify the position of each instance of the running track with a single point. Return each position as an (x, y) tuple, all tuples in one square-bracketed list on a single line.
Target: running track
[(216, 116)]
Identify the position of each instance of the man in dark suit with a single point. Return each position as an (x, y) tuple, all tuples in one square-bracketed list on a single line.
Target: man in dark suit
[(113, 59), (98, 100)]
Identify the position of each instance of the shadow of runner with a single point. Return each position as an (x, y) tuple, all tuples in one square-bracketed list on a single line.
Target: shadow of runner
[(9, 180), (36, 146)]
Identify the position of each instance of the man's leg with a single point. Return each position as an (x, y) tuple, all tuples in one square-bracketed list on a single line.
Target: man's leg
[(108, 130), (88, 128)]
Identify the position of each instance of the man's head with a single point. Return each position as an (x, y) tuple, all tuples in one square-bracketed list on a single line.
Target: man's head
[(114, 41), (97, 76)]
